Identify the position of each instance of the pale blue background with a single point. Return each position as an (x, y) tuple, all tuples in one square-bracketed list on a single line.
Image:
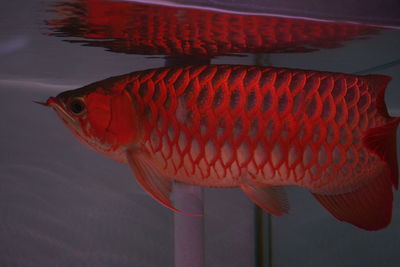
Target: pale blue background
[(63, 205)]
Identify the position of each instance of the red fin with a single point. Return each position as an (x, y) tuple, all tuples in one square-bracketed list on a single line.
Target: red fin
[(271, 198), (382, 142), (151, 180), (378, 83), (368, 207)]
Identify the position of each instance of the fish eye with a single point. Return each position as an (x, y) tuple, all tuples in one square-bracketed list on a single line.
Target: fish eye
[(77, 106)]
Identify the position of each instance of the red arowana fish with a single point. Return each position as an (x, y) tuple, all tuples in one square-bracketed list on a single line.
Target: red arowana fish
[(142, 28), (257, 128)]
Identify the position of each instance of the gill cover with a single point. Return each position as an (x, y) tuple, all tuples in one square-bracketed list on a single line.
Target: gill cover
[(111, 117)]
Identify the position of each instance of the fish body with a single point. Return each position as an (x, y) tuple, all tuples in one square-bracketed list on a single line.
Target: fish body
[(257, 128)]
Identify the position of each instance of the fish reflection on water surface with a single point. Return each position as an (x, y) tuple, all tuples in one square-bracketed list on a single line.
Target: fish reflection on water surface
[(140, 28), (257, 128)]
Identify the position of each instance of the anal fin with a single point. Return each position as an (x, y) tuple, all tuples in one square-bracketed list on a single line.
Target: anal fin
[(151, 179), (270, 198), (369, 207), (382, 142)]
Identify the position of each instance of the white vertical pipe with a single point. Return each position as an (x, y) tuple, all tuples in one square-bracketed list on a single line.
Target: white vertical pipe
[(189, 230)]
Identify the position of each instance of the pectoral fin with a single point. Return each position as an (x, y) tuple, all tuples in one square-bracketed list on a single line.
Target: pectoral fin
[(151, 179), (270, 198)]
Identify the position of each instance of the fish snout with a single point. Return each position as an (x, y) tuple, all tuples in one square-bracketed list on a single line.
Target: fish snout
[(48, 103)]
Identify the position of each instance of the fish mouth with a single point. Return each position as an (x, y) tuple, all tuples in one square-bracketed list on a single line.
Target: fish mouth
[(49, 103), (58, 107), (52, 101)]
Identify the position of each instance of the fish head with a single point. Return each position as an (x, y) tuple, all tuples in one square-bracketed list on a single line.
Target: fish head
[(102, 119)]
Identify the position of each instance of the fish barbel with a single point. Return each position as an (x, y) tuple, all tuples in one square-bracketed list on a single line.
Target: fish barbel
[(257, 128)]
